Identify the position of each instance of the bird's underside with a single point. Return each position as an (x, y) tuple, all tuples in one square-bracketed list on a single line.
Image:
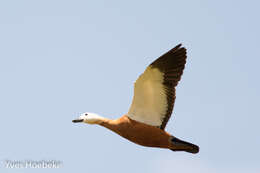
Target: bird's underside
[(147, 135)]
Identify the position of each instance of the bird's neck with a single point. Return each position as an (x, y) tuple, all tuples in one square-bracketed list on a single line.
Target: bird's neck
[(114, 125), (108, 123), (101, 120)]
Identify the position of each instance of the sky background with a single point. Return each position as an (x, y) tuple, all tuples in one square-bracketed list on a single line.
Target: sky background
[(61, 58)]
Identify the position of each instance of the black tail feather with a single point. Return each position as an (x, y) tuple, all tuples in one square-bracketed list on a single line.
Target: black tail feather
[(179, 145)]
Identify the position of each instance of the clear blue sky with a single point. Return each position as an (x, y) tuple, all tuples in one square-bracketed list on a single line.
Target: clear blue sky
[(61, 58)]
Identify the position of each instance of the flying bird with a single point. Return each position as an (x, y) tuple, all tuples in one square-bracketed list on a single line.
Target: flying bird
[(152, 105)]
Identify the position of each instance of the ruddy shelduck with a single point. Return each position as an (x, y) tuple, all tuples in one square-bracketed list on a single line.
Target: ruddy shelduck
[(152, 105)]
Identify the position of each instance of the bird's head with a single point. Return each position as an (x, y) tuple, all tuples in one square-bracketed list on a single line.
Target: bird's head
[(89, 118)]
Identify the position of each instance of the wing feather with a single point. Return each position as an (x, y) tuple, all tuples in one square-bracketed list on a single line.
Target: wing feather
[(154, 90)]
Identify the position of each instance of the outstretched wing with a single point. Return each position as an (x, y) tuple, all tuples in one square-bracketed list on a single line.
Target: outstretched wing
[(154, 90)]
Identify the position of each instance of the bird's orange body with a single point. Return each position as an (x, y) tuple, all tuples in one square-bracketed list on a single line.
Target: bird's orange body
[(139, 133)]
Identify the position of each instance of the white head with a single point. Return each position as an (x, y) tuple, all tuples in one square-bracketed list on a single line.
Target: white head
[(89, 118)]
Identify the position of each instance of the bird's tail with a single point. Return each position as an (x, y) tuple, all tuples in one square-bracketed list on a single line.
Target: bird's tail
[(179, 145)]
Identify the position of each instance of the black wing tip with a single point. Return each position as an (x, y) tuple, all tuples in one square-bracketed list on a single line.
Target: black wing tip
[(178, 47)]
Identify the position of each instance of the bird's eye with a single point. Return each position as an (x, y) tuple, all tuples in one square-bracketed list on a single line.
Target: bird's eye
[(86, 114)]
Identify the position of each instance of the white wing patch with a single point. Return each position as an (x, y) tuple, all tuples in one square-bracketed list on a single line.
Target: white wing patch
[(149, 104)]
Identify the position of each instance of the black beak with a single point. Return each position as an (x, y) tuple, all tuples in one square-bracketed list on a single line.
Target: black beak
[(77, 121)]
